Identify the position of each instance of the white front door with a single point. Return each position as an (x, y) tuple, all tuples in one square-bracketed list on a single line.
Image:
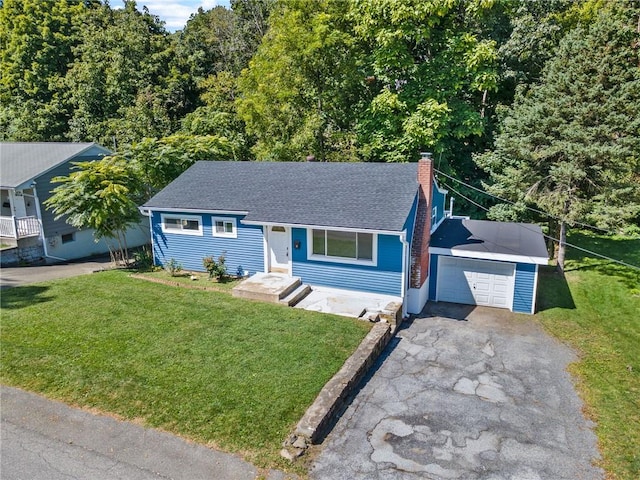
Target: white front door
[(279, 248)]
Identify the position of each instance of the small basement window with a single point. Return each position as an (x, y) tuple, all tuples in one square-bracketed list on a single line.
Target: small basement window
[(68, 238), (182, 224), (224, 227)]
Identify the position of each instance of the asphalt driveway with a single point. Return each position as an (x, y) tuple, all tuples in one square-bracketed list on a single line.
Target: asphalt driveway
[(16, 276), (465, 393)]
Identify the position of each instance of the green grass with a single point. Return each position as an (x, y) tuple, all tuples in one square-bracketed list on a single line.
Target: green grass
[(230, 373), (597, 311)]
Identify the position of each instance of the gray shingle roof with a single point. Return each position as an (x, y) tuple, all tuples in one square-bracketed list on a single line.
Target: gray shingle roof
[(375, 196), (21, 162), (483, 236)]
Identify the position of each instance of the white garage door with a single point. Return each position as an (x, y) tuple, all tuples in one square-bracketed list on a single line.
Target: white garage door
[(475, 282)]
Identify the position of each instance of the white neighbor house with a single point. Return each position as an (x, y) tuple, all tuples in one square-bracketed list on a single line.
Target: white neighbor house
[(26, 170)]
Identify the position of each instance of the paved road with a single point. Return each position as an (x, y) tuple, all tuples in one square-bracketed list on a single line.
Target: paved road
[(46, 440), (485, 398), (16, 276)]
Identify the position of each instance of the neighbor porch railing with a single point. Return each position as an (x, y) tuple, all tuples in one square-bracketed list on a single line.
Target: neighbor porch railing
[(22, 227)]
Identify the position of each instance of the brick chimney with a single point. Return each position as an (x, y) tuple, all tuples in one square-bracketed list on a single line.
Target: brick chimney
[(422, 228)]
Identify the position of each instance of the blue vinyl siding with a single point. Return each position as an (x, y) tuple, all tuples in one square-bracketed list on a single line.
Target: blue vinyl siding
[(437, 200), (244, 252), (433, 276), (385, 278), (524, 287), (411, 218)]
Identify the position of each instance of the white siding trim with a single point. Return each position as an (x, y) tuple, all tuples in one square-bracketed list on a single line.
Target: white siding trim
[(535, 290), (502, 257), (265, 248)]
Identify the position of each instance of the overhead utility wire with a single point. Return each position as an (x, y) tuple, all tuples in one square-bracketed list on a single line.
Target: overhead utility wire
[(513, 203), (548, 236)]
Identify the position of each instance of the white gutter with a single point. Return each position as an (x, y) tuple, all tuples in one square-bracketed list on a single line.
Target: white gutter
[(502, 257), (194, 210), (405, 271), (321, 227), (39, 214)]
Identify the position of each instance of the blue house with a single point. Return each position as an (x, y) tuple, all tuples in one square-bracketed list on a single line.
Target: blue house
[(355, 226)]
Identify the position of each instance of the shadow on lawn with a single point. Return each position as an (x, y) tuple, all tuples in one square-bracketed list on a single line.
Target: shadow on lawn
[(626, 250), (553, 290), (20, 297)]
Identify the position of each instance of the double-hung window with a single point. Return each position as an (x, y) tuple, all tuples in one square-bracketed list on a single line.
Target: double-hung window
[(182, 224), (224, 227), (340, 246)]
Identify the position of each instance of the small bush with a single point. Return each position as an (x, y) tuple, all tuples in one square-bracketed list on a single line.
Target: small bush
[(173, 267), (216, 268), (143, 259)]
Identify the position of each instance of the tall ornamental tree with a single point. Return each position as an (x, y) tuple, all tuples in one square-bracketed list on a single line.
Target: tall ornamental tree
[(430, 71), (570, 146), (102, 195)]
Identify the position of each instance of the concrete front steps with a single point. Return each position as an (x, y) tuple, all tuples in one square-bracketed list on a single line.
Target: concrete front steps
[(272, 287)]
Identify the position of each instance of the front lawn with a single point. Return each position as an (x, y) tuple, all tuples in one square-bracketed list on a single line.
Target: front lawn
[(597, 311), (226, 372)]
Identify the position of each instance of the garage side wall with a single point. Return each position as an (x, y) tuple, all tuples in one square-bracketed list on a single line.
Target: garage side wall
[(525, 288)]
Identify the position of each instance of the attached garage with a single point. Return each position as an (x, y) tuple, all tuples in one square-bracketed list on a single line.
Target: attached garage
[(494, 264), (475, 282)]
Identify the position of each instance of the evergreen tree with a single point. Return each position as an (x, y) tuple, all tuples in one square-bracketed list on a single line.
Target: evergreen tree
[(571, 145)]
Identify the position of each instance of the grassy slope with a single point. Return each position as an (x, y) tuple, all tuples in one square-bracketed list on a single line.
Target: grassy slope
[(223, 371), (598, 313)]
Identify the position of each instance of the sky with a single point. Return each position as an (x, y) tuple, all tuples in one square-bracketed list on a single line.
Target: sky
[(175, 13)]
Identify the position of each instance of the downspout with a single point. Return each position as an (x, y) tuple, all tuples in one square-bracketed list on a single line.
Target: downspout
[(43, 239), (149, 213), (405, 270)]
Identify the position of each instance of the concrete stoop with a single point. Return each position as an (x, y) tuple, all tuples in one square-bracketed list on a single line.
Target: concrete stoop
[(295, 296), (273, 288)]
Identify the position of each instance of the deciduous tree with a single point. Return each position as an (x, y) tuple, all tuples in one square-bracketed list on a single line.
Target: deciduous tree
[(102, 195)]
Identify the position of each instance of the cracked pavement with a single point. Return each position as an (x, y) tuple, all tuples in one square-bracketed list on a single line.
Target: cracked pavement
[(47, 440), (484, 397)]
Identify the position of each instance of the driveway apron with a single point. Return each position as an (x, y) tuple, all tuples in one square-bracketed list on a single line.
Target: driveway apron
[(487, 397)]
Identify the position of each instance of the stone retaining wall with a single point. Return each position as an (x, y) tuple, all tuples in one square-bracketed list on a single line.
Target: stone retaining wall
[(18, 255), (332, 399)]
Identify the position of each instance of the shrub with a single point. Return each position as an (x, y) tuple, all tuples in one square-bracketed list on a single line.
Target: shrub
[(173, 267), (216, 268), (143, 259)]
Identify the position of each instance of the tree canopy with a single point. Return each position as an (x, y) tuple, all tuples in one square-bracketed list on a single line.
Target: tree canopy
[(538, 86), (570, 145)]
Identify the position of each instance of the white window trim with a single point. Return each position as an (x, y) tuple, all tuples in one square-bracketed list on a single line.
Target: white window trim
[(198, 232), (350, 261), (231, 220)]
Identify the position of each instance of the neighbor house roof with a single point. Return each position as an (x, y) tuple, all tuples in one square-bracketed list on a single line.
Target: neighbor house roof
[(375, 196), (22, 162), (490, 240)]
